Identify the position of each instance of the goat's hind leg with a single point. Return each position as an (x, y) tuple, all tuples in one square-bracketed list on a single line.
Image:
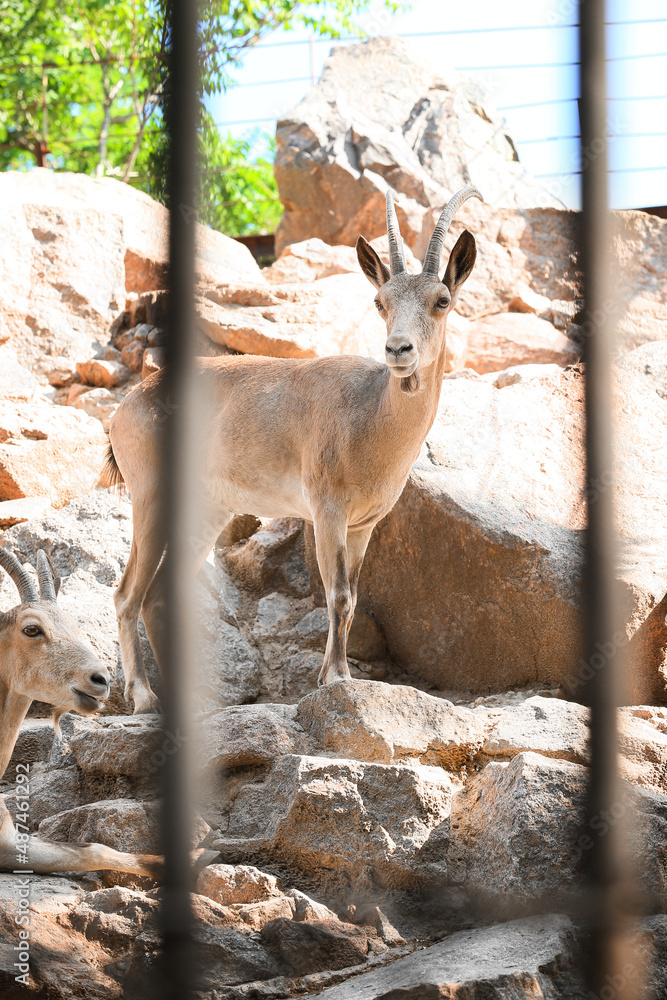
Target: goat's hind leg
[(153, 608), (330, 543), (147, 548)]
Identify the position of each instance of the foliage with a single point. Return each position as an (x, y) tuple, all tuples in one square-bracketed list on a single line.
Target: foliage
[(238, 193), (78, 79), (84, 84)]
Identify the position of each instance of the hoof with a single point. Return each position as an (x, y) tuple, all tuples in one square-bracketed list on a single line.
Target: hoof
[(145, 702), (333, 673)]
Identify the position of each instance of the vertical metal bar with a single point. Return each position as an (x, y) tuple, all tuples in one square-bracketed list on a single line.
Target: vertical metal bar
[(608, 878), (178, 495)]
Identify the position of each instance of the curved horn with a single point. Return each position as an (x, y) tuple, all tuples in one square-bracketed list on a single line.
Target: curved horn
[(19, 575), (396, 251), (47, 589), (434, 252)]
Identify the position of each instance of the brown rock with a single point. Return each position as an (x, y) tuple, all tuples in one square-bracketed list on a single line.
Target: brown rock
[(549, 726), (62, 374), (153, 360), (123, 824), (17, 511), (53, 792), (374, 917), (312, 259), (518, 832), (483, 547), (528, 301), (387, 723), (102, 374), (355, 132), (119, 745), (98, 403), (70, 247), (61, 266), (16, 382), (521, 959), (643, 752), (650, 362), (505, 339), (46, 450), (342, 821), (272, 559), (333, 315), (303, 948), (309, 260), (146, 228), (557, 728), (229, 884), (309, 909), (258, 915), (240, 527), (75, 391), (132, 356), (535, 250), (250, 735), (523, 373)]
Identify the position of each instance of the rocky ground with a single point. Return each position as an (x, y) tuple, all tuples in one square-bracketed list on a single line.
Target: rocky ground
[(414, 832), (371, 828)]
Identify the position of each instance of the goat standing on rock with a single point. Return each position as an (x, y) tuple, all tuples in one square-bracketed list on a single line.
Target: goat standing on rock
[(330, 440), (42, 658)]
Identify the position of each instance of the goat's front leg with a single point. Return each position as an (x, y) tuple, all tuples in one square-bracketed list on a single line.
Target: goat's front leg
[(331, 548)]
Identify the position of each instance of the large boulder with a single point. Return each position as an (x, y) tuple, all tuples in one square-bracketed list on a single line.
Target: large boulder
[(523, 959), (389, 723), (343, 822), (505, 339), (47, 450), (71, 246), (528, 259), (474, 575), (518, 832), (356, 132), (62, 275), (649, 361), (332, 315)]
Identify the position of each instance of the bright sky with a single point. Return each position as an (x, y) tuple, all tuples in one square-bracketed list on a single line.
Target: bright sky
[(532, 34)]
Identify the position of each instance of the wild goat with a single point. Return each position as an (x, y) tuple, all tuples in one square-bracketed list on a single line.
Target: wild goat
[(42, 658), (330, 440)]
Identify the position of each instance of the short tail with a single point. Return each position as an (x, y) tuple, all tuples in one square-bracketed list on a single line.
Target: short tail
[(111, 476)]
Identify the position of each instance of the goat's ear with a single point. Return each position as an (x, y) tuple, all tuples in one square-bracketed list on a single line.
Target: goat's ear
[(461, 262), (376, 272)]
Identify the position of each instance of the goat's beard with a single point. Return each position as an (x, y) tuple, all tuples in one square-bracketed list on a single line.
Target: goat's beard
[(410, 385)]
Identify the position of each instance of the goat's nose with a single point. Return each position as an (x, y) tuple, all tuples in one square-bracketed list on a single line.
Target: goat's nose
[(400, 349), (99, 679)]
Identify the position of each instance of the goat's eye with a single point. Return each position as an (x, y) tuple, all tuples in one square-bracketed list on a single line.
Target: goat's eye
[(379, 306), (32, 631), (442, 302)]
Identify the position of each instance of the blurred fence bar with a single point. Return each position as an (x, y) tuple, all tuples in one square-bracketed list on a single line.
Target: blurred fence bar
[(609, 879), (178, 496)]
